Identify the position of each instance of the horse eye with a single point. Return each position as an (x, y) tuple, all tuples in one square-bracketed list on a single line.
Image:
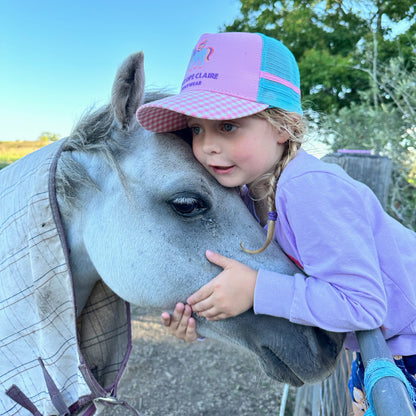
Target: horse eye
[(188, 205)]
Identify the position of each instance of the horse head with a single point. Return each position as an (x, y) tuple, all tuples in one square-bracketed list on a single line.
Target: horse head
[(143, 219)]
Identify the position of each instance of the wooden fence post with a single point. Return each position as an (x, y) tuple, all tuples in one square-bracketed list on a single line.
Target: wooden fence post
[(375, 171)]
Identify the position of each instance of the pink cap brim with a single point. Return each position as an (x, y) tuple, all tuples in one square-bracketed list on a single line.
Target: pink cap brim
[(169, 114)]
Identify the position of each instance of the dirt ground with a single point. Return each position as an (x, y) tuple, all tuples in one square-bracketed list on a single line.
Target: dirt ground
[(168, 377)]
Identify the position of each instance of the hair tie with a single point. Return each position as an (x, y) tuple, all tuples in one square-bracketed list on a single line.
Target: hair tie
[(272, 215)]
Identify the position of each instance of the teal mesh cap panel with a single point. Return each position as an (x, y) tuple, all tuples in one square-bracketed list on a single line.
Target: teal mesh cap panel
[(279, 62)]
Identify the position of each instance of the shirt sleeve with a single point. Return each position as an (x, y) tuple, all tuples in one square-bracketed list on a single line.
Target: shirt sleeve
[(332, 237)]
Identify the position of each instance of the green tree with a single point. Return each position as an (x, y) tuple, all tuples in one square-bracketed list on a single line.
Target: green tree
[(47, 136), (337, 43), (388, 128)]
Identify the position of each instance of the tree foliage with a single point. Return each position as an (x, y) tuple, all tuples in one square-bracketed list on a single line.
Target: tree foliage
[(389, 129), (47, 136), (334, 41)]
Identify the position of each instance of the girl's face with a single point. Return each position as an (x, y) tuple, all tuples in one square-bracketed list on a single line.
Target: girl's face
[(236, 152)]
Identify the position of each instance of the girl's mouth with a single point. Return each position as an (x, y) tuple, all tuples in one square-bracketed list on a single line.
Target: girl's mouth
[(222, 170)]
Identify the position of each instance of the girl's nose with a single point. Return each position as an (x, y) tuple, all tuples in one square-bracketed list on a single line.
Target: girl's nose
[(211, 144)]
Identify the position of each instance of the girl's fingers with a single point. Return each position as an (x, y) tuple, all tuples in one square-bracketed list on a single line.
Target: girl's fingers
[(200, 295), (216, 316), (183, 323), (177, 315), (217, 259), (191, 334), (206, 291), (202, 306), (180, 324), (191, 325), (165, 317)]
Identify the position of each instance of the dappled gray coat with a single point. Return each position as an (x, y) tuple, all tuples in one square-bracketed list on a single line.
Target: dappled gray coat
[(44, 350)]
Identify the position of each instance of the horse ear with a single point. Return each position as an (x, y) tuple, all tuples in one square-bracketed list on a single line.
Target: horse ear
[(128, 90)]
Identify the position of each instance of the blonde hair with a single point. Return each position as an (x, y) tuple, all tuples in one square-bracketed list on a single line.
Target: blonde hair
[(293, 125)]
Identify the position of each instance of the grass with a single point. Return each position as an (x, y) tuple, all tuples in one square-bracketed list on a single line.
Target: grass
[(12, 151)]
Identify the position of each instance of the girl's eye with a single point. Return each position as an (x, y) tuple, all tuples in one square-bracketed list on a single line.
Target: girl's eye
[(228, 127), (195, 130)]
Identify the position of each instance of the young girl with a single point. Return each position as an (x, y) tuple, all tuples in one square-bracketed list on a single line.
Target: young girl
[(241, 100)]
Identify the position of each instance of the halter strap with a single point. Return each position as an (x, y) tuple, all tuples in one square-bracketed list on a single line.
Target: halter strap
[(20, 398)]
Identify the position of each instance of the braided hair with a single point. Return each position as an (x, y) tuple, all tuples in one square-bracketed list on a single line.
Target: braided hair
[(295, 127)]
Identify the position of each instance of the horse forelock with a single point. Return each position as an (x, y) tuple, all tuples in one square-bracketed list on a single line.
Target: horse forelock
[(96, 132)]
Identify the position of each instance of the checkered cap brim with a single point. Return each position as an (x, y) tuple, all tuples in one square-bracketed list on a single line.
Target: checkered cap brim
[(169, 114)]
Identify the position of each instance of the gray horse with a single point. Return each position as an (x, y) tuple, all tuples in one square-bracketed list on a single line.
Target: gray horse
[(124, 216)]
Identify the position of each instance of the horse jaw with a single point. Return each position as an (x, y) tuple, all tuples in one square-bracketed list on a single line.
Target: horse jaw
[(286, 352)]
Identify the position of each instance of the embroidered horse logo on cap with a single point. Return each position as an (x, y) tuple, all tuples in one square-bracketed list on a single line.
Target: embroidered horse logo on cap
[(200, 54)]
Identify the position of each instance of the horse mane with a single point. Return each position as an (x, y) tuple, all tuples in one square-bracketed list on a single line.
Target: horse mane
[(95, 133)]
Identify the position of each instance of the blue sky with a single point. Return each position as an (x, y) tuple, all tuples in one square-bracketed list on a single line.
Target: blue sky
[(58, 58)]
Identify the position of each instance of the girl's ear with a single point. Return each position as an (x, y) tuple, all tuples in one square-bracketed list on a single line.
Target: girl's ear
[(286, 131), (283, 136)]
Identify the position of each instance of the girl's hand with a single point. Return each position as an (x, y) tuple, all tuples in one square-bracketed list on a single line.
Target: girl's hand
[(180, 324), (228, 294)]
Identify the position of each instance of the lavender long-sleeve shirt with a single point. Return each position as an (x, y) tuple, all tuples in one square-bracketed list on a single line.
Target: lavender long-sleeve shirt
[(360, 263)]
